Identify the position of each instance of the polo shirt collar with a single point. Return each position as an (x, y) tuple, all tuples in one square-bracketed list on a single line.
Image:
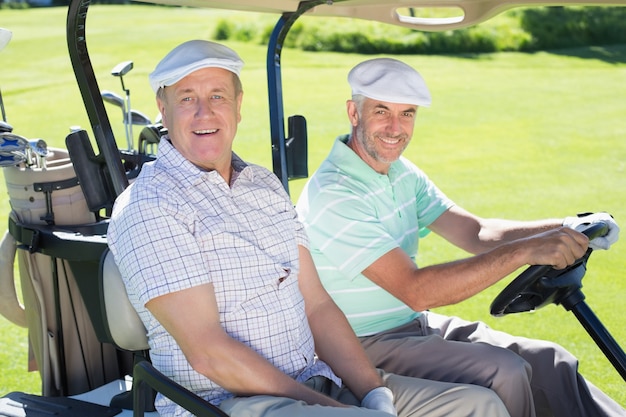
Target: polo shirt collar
[(349, 162)]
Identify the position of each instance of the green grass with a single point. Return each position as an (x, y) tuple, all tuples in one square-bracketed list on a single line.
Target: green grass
[(508, 135)]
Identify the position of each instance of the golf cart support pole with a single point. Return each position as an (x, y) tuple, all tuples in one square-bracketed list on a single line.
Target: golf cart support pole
[(275, 88), (83, 70), (587, 318)]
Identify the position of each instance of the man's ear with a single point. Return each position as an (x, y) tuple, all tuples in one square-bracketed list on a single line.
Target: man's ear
[(239, 101), (161, 107), (353, 113)]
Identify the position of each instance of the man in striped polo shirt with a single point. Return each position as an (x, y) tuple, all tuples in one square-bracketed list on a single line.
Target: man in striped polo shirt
[(364, 210)]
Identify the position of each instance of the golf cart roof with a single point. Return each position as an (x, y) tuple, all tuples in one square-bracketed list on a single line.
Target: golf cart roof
[(466, 12)]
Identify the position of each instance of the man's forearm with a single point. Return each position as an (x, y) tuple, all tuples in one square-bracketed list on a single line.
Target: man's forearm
[(335, 341), (495, 232), (337, 345), (241, 371), (449, 283)]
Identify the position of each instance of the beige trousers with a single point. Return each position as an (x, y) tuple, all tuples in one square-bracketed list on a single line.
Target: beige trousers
[(532, 377), (413, 397)]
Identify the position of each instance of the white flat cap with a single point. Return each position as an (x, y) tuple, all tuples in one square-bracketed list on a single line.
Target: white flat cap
[(389, 80), (5, 37), (192, 56)]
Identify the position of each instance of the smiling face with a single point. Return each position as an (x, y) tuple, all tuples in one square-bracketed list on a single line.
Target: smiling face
[(201, 113), (381, 130)]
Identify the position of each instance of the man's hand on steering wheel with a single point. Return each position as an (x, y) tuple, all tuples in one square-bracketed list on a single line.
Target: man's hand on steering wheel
[(582, 221), (558, 247), (540, 285)]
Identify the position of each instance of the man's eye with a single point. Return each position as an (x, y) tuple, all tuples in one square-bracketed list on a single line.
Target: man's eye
[(216, 97)]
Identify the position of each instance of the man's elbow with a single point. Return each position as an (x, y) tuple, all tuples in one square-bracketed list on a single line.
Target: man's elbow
[(203, 364), (418, 302), (208, 361)]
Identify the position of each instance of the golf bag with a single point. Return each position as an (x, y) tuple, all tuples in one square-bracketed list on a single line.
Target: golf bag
[(62, 341)]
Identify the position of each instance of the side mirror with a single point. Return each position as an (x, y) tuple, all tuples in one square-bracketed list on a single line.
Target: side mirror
[(91, 171), (297, 148)]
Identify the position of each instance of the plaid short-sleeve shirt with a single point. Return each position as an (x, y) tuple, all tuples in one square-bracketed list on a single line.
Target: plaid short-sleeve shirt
[(177, 227)]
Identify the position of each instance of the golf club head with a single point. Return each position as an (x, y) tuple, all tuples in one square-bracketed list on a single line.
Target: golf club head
[(12, 158), (5, 37), (10, 142), (122, 68), (112, 98), (39, 147), (137, 118), (39, 152), (5, 127)]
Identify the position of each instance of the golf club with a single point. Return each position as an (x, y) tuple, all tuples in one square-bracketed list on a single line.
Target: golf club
[(130, 116), (39, 152), (5, 37), (12, 142), (11, 158)]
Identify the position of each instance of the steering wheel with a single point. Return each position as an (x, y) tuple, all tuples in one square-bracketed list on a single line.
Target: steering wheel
[(540, 285)]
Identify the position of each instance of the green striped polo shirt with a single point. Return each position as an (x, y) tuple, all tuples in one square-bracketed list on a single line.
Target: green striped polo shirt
[(354, 215)]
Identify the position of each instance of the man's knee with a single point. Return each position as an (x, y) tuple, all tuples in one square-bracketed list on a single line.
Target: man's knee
[(508, 367), (466, 400), (486, 402), (414, 396)]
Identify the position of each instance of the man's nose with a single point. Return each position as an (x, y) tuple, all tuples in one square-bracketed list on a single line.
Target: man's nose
[(204, 108), (394, 124)]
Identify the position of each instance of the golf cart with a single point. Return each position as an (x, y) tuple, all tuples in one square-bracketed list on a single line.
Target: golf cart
[(78, 252)]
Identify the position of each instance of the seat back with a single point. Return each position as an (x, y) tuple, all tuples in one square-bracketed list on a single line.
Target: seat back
[(122, 324), (126, 331)]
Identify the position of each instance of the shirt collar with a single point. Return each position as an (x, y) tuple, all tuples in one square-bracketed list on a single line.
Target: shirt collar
[(349, 162), (187, 173)]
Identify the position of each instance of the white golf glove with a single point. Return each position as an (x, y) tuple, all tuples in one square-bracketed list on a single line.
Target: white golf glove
[(602, 242), (381, 399)]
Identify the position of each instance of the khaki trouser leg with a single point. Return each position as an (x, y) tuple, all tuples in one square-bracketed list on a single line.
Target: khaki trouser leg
[(413, 350), (558, 389), (419, 397), (413, 397)]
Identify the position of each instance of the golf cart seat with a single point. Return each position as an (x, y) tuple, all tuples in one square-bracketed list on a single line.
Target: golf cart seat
[(123, 325), (124, 329)]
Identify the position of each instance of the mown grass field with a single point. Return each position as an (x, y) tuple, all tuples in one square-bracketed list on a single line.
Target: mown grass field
[(508, 135)]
